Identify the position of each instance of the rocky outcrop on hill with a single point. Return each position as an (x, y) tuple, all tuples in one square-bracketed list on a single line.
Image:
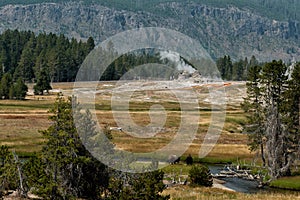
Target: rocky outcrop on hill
[(232, 31)]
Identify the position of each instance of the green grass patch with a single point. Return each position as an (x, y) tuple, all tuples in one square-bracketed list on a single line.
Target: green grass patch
[(25, 105), (26, 155), (180, 169), (214, 160), (290, 183), (239, 119)]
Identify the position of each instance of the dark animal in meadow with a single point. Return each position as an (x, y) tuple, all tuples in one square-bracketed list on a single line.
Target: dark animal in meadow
[(173, 159), (189, 160)]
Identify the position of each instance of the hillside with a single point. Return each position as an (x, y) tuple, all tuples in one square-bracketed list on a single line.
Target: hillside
[(267, 29), (277, 9)]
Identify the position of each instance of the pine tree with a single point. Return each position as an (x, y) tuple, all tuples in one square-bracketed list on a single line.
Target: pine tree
[(144, 186), (200, 176), (252, 105), (238, 70), (10, 171), (27, 61), (5, 85), (274, 81), (43, 83), (18, 90), (225, 67), (229, 68), (272, 105), (253, 62), (90, 45), (67, 169), (292, 110)]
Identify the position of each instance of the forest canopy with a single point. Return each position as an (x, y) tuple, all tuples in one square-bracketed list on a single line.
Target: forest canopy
[(25, 55)]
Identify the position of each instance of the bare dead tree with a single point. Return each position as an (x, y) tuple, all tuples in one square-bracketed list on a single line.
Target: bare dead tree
[(279, 156), (23, 192)]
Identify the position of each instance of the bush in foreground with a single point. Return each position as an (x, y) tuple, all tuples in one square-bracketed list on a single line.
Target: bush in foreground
[(200, 176)]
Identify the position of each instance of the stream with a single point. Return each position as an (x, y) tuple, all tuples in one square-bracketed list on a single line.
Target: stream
[(237, 184)]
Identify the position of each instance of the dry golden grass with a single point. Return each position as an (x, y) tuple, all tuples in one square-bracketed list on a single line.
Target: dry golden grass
[(229, 144), (224, 151), (21, 131), (21, 120)]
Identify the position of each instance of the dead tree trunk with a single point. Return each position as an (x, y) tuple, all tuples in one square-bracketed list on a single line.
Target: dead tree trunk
[(262, 153), (279, 159), (23, 193)]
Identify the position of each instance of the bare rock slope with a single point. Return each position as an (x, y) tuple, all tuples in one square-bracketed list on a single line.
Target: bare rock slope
[(228, 30)]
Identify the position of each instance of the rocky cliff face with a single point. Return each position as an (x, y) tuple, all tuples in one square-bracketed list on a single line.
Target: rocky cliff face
[(221, 31)]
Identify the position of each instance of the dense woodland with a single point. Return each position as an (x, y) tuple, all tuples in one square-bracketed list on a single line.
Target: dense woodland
[(48, 56), (25, 55), (45, 58), (236, 71)]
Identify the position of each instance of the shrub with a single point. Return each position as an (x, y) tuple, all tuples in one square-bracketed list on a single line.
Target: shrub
[(200, 176)]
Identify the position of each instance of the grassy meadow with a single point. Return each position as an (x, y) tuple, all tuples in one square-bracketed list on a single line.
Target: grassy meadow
[(21, 121)]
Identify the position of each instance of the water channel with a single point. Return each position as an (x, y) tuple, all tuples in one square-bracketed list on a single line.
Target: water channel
[(236, 184)]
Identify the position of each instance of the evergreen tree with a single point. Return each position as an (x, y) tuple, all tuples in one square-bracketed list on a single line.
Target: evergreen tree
[(25, 65), (90, 45), (246, 68), (21, 54), (238, 70), (13, 44), (5, 85), (144, 186), (200, 176), (43, 83), (18, 90), (292, 109), (229, 68), (41, 63), (266, 97), (67, 168), (11, 172), (3, 58), (253, 107), (253, 62), (225, 67), (274, 81)]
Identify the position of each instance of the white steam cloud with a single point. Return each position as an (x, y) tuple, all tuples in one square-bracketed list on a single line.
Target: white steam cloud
[(179, 62)]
